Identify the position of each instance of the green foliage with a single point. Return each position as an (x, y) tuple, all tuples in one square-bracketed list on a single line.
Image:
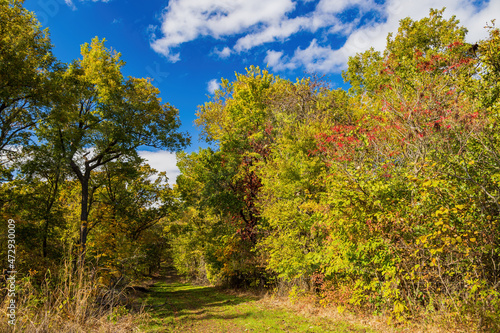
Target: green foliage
[(130, 211), (104, 115), (26, 66), (385, 199), (71, 133)]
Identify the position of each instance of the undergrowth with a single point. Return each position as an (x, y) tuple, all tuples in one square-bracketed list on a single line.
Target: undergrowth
[(69, 300)]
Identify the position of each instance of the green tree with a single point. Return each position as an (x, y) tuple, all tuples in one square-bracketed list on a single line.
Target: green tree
[(239, 121), (254, 122), (130, 206), (102, 117), (417, 44), (26, 64), (431, 179), (45, 174)]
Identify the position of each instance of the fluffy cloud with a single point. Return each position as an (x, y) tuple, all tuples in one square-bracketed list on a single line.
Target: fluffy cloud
[(212, 86), (224, 53), (325, 59), (187, 20), (274, 59), (162, 161), (244, 25), (275, 32)]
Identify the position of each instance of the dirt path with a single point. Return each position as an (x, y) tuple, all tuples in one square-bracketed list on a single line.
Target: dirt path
[(174, 306)]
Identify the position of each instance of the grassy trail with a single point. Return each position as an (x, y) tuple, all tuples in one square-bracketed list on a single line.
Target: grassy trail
[(181, 307)]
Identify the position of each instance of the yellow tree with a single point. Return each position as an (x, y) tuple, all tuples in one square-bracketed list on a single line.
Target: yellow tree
[(25, 64), (103, 117)]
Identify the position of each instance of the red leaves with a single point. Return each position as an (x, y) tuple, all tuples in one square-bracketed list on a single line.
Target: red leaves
[(388, 70), (385, 86), (269, 129), (455, 44), (425, 66), (341, 134), (341, 142), (458, 64)]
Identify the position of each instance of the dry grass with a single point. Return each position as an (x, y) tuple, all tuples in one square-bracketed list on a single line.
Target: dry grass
[(69, 302), (308, 306), (75, 302)]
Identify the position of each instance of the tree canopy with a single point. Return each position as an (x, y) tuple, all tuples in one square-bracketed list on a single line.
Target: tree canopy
[(26, 67), (384, 198)]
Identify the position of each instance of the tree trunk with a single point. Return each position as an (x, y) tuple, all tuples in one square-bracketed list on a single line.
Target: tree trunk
[(84, 219), (45, 235)]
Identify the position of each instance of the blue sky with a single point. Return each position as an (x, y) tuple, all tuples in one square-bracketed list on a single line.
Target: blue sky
[(186, 46)]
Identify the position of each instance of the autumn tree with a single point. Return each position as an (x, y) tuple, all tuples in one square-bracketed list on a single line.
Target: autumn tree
[(130, 208), (425, 204), (26, 65), (44, 173), (253, 122), (385, 197), (103, 117)]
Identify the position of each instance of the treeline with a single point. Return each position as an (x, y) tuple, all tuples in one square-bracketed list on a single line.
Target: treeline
[(71, 176), (385, 197), (89, 214), (382, 198)]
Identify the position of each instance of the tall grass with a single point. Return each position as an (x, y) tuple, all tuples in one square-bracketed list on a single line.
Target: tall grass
[(69, 301)]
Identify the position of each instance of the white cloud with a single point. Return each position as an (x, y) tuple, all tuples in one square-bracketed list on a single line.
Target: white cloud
[(325, 59), (243, 25), (271, 33), (162, 161), (212, 86), (316, 58), (186, 20), (275, 60), (70, 4), (338, 6), (224, 53)]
